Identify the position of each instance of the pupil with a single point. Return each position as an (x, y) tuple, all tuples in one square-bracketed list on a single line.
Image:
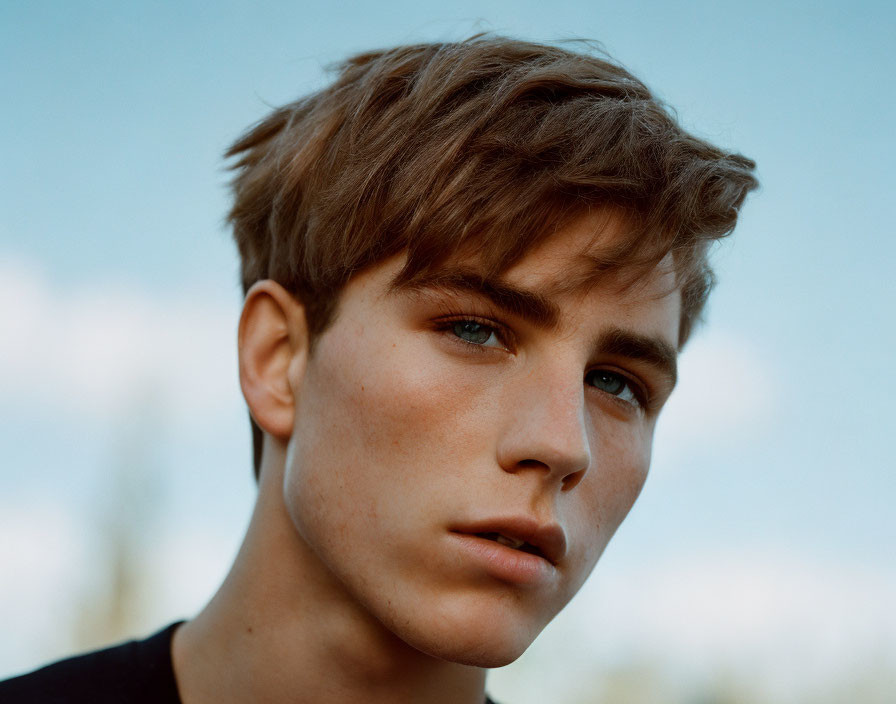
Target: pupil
[(611, 383), (472, 332)]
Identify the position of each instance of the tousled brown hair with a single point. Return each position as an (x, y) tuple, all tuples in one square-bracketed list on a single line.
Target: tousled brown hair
[(487, 146)]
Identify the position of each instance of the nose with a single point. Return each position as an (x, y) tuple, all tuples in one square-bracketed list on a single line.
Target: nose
[(545, 428)]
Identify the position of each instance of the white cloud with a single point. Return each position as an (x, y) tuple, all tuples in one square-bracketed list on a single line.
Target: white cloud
[(755, 603), (725, 392), (108, 357), (786, 626), (43, 556), (56, 561), (91, 350)]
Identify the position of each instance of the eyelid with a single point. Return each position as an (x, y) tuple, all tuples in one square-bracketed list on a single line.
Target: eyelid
[(502, 332), (640, 390)]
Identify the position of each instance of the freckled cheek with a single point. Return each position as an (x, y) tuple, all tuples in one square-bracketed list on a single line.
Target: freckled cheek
[(401, 410), (606, 496)]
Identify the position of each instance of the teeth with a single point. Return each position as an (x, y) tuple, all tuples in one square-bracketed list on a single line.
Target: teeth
[(510, 542)]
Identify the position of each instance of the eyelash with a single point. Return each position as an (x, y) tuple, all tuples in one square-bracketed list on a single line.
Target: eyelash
[(447, 325), (638, 391)]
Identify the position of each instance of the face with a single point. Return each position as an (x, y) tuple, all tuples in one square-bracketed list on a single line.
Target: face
[(462, 453)]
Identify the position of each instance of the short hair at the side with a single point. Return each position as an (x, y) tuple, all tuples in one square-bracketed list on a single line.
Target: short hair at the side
[(487, 146)]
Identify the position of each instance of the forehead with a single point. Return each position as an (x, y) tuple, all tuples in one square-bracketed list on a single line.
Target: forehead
[(566, 274), (597, 250)]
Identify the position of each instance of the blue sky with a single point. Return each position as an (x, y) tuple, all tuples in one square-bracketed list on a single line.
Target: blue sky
[(118, 292)]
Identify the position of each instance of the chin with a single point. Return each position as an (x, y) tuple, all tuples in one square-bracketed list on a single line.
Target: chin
[(487, 658), (487, 643), (478, 651)]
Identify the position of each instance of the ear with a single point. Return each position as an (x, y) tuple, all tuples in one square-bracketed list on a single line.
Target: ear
[(273, 352)]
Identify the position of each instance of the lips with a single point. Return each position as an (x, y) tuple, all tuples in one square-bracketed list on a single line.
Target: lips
[(528, 535)]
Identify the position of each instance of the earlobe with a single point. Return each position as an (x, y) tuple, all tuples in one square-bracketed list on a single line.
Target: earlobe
[(273, 350)]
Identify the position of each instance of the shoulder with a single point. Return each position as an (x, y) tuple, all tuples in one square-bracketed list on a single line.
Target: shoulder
[(135, 671)]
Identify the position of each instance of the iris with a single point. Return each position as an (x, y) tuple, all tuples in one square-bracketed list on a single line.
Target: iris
[(607, 381), (473, 332)]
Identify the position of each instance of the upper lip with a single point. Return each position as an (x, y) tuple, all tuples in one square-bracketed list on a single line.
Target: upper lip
[(549, 538)]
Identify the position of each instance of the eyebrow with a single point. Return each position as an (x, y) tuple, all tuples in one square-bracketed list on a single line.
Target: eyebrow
[(540, 311), (646, 348), (528, 305)]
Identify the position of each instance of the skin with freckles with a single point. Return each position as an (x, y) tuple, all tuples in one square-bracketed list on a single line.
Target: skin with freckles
[(422, 411)]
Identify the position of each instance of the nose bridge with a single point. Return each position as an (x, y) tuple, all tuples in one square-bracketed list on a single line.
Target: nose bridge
[(546, 427)]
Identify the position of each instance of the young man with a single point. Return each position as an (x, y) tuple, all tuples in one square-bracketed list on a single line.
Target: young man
[(468, 270)]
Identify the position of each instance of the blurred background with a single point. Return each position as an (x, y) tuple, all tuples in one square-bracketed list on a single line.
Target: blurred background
[(758, 565)]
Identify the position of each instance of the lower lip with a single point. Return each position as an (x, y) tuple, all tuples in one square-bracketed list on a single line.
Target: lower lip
[(505, 563)]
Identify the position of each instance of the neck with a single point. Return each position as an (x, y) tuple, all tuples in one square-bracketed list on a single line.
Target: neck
[(282, 629)]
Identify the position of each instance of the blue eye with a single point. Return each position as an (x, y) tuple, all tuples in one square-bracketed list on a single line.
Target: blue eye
[(614, 384), (474, 333)]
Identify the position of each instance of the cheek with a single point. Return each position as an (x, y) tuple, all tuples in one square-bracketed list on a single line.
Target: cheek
[(609, 491), (400, 402), (383, 427)]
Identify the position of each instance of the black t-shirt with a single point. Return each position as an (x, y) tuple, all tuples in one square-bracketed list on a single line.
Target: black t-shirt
[(139, 671), (136, 672)]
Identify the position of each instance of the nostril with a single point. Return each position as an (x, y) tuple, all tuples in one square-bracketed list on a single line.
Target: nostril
[(531, 464), (570, 480)]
